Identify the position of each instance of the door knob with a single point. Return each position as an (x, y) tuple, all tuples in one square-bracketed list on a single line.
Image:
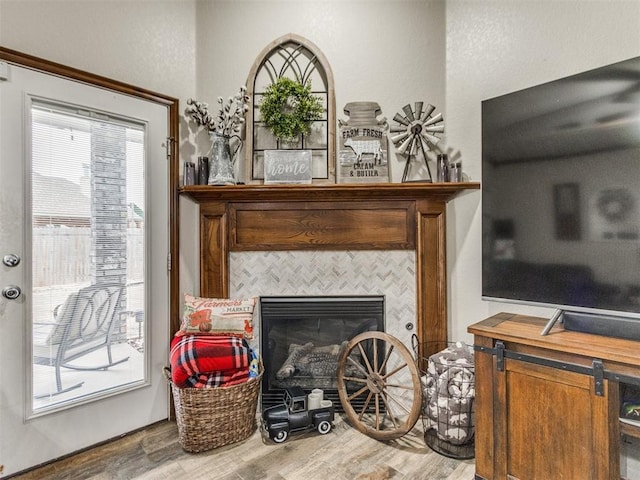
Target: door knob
[(11, 260), (11, 292)]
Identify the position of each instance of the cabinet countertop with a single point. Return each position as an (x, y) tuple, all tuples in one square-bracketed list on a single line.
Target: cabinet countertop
[(526, 330)]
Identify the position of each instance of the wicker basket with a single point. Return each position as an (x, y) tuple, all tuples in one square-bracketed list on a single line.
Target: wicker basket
[(212, 417)]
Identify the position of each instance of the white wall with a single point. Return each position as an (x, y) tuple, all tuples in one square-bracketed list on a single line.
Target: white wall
[(149, 44), (496, 47), (390, 52)]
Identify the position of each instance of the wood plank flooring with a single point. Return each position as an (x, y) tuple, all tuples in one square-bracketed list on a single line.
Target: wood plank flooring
[(343, 454)]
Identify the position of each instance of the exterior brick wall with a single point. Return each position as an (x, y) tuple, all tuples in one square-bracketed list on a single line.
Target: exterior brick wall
[(109, 205)]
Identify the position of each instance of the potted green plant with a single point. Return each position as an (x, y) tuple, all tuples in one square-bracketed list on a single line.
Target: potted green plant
[(288, 107)]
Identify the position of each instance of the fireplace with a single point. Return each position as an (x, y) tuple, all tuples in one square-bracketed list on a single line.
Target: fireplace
[(239, 221), (302, 337)]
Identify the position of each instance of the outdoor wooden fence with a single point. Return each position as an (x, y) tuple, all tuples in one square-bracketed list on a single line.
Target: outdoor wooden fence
[(62, 256)]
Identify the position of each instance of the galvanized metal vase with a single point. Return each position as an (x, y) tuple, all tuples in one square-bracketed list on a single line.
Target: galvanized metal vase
[(221, 160)]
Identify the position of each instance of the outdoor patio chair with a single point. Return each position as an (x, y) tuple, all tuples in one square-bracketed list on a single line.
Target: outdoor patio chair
[(84, 323)]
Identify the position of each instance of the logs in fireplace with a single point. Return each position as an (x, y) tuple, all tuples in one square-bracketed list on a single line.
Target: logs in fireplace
[(302, 338)]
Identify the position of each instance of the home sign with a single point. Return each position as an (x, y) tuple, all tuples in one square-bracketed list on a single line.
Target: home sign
[(287, 166)]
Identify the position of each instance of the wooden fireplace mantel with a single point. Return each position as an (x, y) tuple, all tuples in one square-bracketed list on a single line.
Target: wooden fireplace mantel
[(389, 216)]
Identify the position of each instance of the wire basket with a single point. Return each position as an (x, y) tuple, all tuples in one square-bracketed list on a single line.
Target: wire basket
[(209, 418), (448, 400)]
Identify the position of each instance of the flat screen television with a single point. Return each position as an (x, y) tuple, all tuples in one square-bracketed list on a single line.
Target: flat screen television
[(561, 198)]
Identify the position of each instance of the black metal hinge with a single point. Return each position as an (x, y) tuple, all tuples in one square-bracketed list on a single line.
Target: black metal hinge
[(598, 377), (500, 356)]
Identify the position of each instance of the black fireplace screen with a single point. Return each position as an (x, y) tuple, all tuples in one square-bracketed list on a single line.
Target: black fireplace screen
[(302, 339)]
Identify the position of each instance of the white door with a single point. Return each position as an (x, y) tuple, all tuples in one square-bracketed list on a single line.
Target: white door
[(83, 243)]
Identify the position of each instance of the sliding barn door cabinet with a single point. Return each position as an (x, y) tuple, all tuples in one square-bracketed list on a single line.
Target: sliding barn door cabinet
[(548, 406)]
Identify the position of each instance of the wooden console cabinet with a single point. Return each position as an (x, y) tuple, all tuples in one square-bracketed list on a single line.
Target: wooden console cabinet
[(547, 407)]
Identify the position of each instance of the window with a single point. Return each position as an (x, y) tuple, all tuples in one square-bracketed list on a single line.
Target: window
[(88, 253), (294, 57)]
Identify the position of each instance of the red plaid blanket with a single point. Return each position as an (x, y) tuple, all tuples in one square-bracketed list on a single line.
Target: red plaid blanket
[(217, 379), (203, 360)]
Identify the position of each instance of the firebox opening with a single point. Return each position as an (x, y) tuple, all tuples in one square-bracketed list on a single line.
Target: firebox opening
[(302, 338)]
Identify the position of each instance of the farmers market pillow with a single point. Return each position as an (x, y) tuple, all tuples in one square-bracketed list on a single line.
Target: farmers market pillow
[(217, 316)]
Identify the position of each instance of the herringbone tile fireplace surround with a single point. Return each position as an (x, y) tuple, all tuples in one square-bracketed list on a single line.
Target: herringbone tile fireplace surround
[(295, 273)]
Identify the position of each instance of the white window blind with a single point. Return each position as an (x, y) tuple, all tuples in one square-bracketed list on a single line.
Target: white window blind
[(88, 212), (87, 173)]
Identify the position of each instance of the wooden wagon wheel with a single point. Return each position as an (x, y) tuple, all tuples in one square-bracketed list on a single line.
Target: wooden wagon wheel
[(379, 386)]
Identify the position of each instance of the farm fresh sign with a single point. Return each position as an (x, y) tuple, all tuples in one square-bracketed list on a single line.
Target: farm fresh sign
[(362, 151), (287, 166)]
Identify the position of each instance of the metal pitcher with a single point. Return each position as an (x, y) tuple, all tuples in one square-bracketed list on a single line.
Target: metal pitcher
[(221, 159)]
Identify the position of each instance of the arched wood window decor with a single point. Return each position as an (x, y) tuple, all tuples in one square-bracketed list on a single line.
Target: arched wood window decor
[(294, 57)]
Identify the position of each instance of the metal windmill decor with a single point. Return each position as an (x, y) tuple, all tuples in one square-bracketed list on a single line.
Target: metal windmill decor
[(416, 129)]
